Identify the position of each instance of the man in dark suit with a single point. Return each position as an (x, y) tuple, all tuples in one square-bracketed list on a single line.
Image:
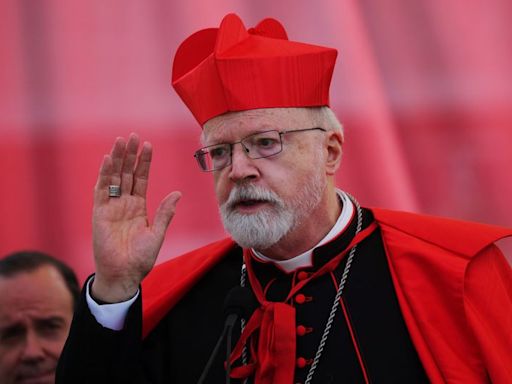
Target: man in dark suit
[(37, 296)]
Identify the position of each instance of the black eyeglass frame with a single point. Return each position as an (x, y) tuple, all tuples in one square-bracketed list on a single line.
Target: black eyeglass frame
[(204, 150)]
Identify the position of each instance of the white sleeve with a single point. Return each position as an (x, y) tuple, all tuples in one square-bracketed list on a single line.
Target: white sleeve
[(111, 316)]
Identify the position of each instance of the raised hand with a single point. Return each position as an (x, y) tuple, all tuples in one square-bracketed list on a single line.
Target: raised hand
[(125, 244)]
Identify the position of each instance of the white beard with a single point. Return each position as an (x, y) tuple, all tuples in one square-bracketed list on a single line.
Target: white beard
[(265, 228)]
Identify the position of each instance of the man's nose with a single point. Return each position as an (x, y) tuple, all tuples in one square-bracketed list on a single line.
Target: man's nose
[(242, 166), (34, 347)]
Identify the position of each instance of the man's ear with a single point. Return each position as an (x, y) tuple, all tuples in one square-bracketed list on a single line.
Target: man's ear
[(334, 147)]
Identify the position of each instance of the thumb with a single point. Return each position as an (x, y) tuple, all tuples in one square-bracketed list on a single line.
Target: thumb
[(165, 213)]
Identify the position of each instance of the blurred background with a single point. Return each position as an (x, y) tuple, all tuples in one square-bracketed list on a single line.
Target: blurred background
[(423, 88)]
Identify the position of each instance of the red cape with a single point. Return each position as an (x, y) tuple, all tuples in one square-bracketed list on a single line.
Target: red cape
[(457, 306)]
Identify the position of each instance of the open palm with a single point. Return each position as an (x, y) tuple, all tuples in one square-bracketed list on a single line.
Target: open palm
[(125, 244)]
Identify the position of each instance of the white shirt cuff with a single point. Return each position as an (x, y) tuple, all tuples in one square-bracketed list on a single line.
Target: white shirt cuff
[(110, 316)]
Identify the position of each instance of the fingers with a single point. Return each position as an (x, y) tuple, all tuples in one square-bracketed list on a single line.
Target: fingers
[(165, 213), (117, 155), (119, 168), (140, 182), (130, 157), (103, 181), (110, 171)]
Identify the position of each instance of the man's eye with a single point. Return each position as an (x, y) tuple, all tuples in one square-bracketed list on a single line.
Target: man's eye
[(218, 152), (11, 335), (51, 327), (266, 142)]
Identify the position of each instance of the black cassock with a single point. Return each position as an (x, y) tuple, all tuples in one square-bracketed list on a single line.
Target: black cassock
[(368, 342)]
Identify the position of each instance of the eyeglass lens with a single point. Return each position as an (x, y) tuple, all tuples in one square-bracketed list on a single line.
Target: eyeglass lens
[(256, 146)]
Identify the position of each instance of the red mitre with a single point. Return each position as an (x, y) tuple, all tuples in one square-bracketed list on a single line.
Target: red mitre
[(230, 68)]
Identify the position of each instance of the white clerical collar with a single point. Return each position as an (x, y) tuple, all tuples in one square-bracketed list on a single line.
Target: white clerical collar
[(306, 259)]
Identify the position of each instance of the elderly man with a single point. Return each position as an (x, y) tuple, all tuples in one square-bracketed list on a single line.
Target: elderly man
[(338, 293), (37, 297)]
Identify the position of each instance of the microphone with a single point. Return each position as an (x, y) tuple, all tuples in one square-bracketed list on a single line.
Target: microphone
[(239, 303)]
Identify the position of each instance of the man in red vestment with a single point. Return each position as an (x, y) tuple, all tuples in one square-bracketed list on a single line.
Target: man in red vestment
[(340, 293)]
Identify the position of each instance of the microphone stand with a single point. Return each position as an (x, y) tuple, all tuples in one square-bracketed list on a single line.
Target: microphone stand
[(228, 328), (228, 351), (239, 303)]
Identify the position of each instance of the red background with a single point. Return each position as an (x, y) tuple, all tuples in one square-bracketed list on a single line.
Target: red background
[(423, 89)]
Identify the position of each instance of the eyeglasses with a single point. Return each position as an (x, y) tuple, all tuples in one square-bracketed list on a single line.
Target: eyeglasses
[(256, 146)]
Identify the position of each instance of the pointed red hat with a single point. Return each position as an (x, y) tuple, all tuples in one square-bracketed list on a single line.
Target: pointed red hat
[(230, 68)]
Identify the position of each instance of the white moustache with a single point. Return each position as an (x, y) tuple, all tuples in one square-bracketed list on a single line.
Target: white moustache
[(241, 193)]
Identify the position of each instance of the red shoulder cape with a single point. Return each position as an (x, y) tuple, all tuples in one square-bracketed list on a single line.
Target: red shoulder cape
[(429, 260)]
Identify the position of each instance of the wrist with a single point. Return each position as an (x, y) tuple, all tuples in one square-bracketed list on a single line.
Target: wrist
[(108, 292)]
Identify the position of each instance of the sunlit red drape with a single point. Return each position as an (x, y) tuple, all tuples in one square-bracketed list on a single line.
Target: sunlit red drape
[(423, 88)]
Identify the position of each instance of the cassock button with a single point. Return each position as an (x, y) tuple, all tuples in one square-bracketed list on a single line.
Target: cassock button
[(301, 330), (302, 275), (301, 362), (300, 298)]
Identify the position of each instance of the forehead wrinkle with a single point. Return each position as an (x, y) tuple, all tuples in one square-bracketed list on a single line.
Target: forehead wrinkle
[(255, 120)]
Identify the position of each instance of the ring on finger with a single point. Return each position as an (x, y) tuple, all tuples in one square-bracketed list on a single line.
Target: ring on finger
[(114, 191)]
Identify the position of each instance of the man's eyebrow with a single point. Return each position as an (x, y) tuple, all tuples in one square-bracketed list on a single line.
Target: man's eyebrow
[(215, 140), (50, 319), (9, 328), (40, 320)]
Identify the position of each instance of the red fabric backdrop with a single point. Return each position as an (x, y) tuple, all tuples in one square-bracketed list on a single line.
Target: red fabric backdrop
[(423, 88)]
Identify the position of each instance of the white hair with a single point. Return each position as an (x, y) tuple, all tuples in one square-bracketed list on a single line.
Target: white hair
[(322, 117), (325, 118)]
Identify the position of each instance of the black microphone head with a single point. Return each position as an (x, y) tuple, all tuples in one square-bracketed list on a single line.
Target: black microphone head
[(240, 301)]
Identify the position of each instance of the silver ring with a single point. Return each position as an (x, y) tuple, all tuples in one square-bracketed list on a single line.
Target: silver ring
[(114, 191)]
